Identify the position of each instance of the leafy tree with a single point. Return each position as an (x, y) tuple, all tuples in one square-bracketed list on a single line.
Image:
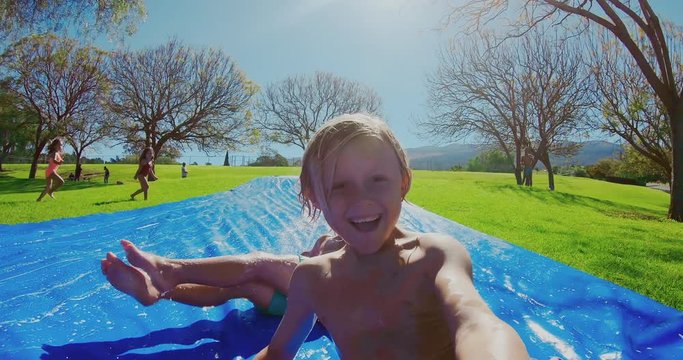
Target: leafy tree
[(15, 124), (270, 160), (492, 160), (19, 18), (168, 155), (603, 169), (58, 80), (177, 96), (635, 165), (290, 111)]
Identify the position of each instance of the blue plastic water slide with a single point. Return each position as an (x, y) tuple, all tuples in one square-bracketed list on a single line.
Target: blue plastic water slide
[(56, 304)]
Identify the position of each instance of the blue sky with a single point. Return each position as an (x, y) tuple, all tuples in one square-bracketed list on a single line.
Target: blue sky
[(389, 45)]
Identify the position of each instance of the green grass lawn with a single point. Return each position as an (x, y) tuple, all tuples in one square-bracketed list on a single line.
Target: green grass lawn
[(18, 195), (616, 232)]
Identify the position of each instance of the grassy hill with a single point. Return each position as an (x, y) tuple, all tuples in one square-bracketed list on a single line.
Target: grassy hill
[(616, 232)]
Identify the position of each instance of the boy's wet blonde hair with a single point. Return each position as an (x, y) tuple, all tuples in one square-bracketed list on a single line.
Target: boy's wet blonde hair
[(325, 145)]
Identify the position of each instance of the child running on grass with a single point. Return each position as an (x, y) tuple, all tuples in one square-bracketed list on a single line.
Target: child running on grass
[(261, 277), (145, 170), (52, 179), (388, 293)]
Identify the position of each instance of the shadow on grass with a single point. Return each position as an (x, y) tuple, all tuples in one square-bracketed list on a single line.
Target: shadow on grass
[(13, 185), (101, 203), (606, 207)]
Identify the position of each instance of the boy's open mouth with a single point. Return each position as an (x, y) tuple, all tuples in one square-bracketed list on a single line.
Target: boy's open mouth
[(367, 223)]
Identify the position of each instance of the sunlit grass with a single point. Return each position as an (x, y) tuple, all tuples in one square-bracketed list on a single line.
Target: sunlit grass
[(18, 195), (616, 232)]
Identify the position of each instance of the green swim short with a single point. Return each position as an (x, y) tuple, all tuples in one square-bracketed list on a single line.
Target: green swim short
[(277, 305)]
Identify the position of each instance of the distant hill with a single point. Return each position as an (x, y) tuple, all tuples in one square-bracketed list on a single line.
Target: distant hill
[(445, 157)]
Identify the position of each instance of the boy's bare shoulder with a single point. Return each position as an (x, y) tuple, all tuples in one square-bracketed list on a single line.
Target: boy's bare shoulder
[(445, 250), (318, 264), (441, 242)]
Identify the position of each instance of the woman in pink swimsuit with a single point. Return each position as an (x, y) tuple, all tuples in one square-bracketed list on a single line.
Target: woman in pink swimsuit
[(54, 158), (145, 169)]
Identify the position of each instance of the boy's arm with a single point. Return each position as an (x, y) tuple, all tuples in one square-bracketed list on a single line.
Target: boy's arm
[(478, 333), (297, 321)]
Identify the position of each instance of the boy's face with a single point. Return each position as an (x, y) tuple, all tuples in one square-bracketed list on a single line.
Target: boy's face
[(365, 193)]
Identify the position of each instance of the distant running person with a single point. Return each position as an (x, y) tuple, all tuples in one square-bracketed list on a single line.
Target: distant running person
[(145, 172), (52, 179)]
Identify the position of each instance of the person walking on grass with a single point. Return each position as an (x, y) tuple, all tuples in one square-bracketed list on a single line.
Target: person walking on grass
[(528, 164), (183, 171), (52, 179), (145, 172), (106, 175)]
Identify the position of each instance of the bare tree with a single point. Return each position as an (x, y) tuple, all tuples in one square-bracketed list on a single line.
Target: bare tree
[(57, 79), (629, 106), (183, 97), (19, 18), (559, 88), (528, 93), (626, 20), (478, 89), (88, 128), (292, 110)]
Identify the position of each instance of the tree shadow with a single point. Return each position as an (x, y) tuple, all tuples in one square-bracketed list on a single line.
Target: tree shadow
[(240, 333), (606, 207), (101, 203), (13, 185)]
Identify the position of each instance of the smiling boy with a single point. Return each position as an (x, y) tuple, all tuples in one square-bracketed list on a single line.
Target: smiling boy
[(388, 293)]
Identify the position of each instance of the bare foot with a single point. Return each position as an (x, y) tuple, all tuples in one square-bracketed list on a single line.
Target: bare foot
[(157, 267), (130, 280)]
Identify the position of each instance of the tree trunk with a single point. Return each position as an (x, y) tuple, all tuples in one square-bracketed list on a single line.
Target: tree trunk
[(549, 167), (79, 167), (518, 175), (676, 199), (6, 149), (34, 161), (518, 165), (40, 145)]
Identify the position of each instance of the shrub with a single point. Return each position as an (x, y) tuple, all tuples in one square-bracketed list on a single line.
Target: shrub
[(603, 168), (267, 160), (490, 161)]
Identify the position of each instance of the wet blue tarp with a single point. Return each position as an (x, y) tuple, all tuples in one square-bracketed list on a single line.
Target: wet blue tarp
[(56, 304)]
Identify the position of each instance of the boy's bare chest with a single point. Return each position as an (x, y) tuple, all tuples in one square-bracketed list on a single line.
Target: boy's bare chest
[(383, 301)]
